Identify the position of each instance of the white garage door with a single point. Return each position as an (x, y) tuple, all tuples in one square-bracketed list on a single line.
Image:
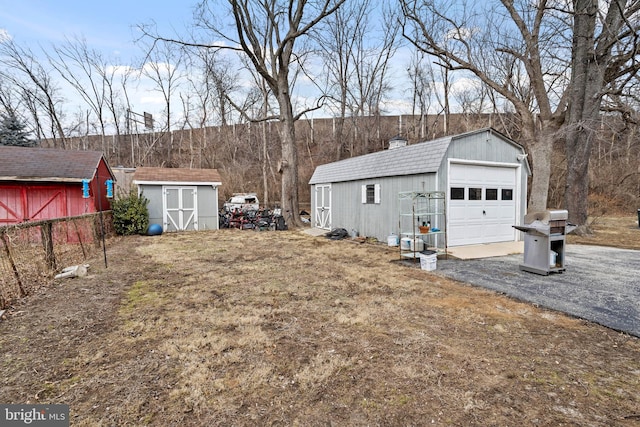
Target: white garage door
[(482, 204)]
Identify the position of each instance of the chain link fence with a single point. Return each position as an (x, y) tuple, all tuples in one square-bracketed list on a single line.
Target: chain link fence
[(31, 253)]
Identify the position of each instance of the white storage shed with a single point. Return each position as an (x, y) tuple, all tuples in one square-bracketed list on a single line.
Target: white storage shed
[(180, 199)]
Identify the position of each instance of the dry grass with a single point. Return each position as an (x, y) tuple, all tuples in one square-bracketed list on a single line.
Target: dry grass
[(279, 328), (619, 231)]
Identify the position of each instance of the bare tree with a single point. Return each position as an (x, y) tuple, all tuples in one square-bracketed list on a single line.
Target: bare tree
[(548, 61), (256, 108), (505, 48), (280, 24), (163, 66), (83, 69), (212, 80), (36, 87), (418, 72), (11, 104), (196, 105), (225, 81), (336, 39), (474, 100), (371, 84), (130, 126), (606, 58), (430, 80), (356, 50)]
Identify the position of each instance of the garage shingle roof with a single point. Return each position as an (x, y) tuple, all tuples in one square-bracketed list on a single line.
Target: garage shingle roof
[(424, 157), (46, 164), (413, 159), (177, 175)]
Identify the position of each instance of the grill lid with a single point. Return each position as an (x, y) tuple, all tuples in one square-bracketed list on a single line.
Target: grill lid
[(558, 215), (540, 222), (546, 216)]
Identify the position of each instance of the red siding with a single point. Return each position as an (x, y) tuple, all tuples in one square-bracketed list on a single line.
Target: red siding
[(76, 204), (45, 202), (20, 203), (11, 206), (101, 177), (28, 201)]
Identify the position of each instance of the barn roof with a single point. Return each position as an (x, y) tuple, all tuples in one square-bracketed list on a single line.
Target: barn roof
[(423, 157), (148, 175), (46, 164)]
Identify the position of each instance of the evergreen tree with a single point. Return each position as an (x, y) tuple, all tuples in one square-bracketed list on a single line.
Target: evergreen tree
[(12, 132)]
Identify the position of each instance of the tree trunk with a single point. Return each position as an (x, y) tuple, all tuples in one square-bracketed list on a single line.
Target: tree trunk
[(265, 165), (589, 62), (338, 134), (539, 143), (289, 163), (578, 146)]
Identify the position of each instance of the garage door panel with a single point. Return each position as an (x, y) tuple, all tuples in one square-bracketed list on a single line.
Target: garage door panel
[(498, 232), (473, 233), (482, 220), (457, 212)]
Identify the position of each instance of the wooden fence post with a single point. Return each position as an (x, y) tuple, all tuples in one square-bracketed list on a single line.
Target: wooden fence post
[(84, 252), (14, 267), (96, 231), (47, 242)]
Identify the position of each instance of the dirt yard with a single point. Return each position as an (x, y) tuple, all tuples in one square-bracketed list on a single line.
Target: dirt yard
[(244, 328)]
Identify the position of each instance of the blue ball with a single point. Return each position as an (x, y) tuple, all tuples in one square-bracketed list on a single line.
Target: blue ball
[(154, 230)]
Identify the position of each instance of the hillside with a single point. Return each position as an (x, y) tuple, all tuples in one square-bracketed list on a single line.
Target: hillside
[(247, 155)]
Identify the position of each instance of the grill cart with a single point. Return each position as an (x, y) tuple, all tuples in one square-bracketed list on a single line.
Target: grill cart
[(544, 241)]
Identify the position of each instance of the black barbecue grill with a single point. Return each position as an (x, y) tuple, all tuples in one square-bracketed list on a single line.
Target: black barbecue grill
[(544, 241)]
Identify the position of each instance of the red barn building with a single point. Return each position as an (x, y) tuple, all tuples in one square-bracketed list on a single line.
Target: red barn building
[(41, 183)]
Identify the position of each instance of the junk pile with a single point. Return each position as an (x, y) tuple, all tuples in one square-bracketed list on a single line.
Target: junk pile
[(252, 219)]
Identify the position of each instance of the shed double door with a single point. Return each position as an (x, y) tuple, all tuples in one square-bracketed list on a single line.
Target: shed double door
[(180, 208)]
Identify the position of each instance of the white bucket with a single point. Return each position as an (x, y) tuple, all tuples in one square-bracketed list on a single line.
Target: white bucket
[(553, 258), (417, 244), (409, 244), (392, 240), (405, 243), (428, 261)]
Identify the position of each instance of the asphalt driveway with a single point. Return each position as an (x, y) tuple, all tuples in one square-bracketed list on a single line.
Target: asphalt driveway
[(600, 284)]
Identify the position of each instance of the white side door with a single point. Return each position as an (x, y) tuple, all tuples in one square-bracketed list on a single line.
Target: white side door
[(322, 217), (180, 208)]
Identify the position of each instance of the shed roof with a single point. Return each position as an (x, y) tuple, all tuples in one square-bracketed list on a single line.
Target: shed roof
[(46, 164), (423, 157), (149, 175)]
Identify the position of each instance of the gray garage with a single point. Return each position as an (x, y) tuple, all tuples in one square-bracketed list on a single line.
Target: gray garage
[(180, 199), (483, 173)]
